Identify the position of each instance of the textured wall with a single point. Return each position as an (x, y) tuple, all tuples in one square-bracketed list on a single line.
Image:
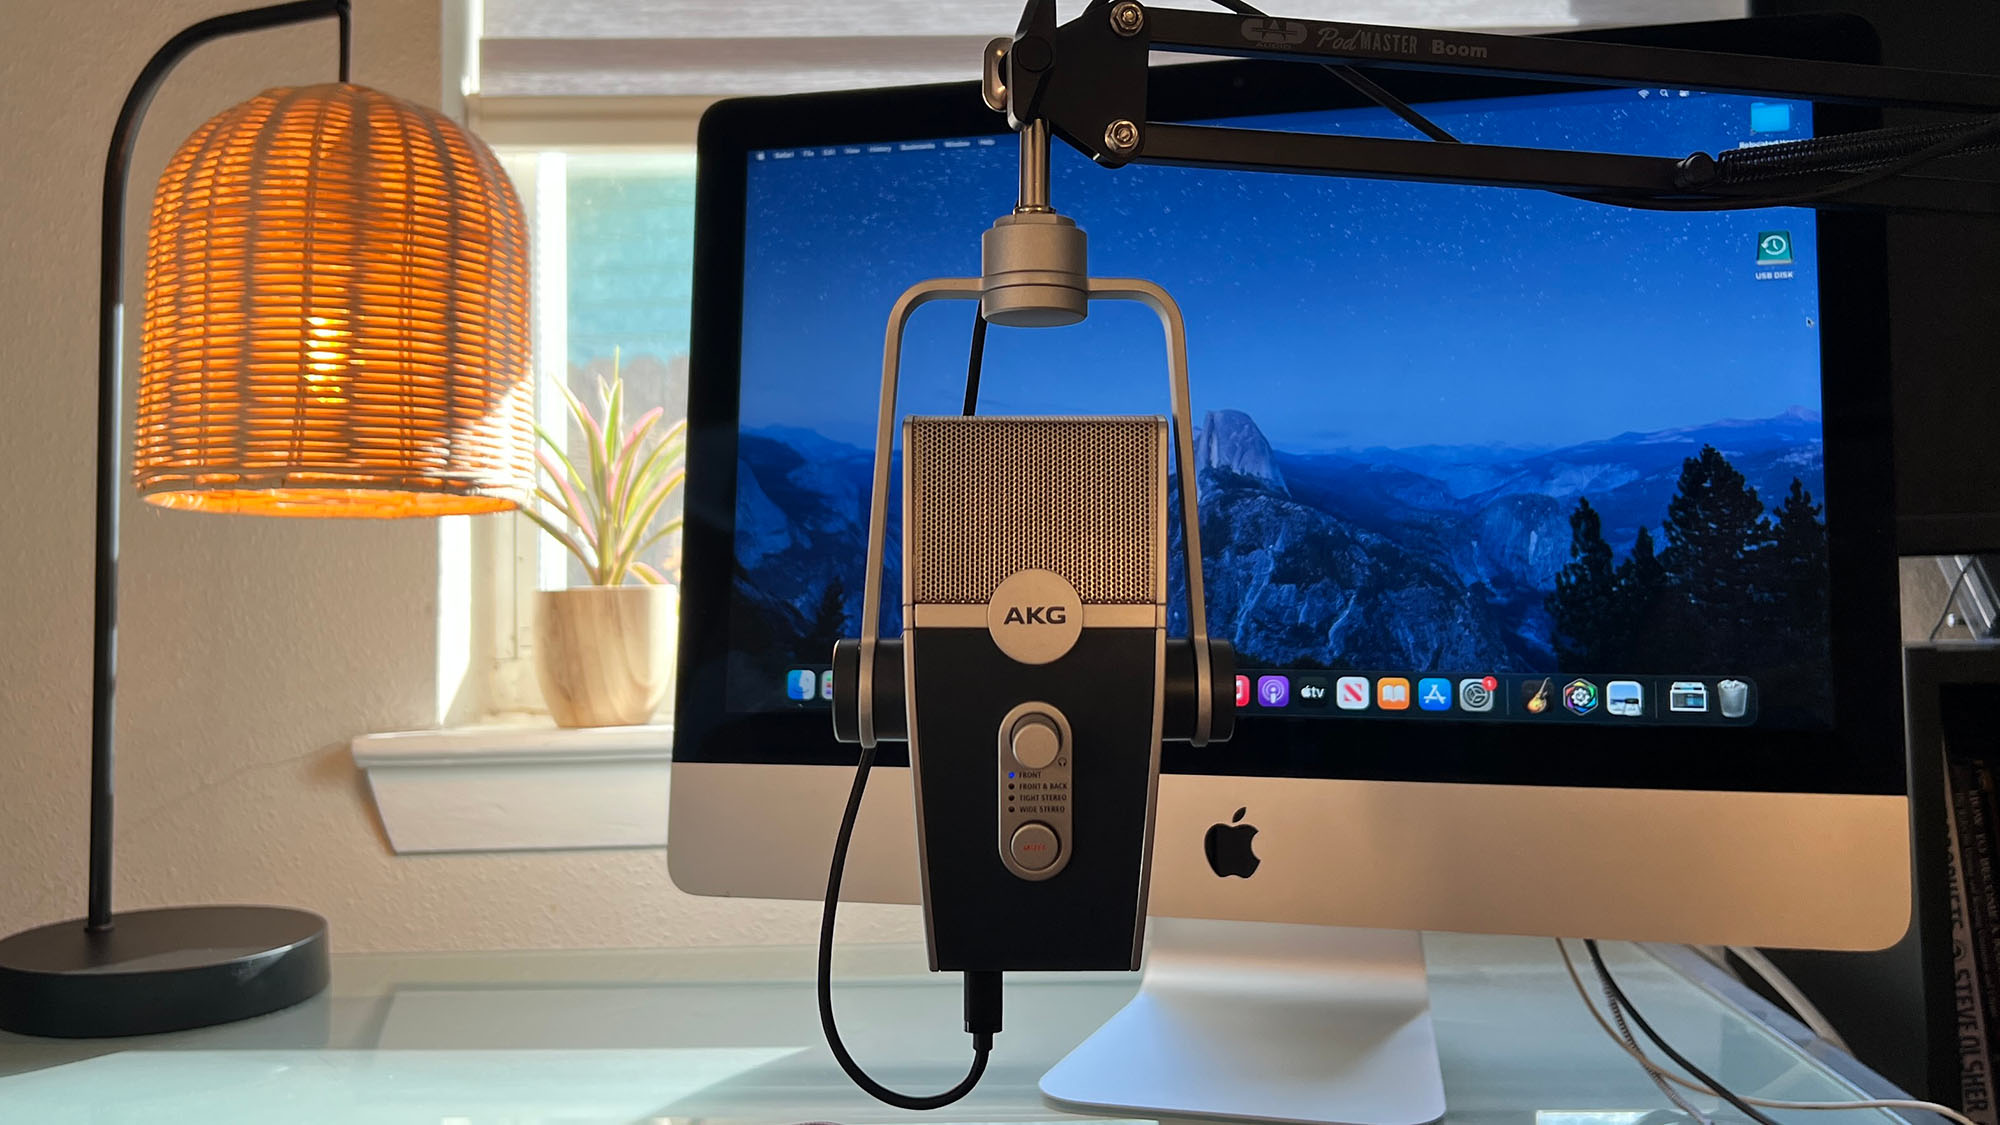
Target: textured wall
[(250, 650)]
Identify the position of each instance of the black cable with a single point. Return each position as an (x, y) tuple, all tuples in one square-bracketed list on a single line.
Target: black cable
[(973, 362), (1639, 1021), (978, 989), (1835, 152), (1985, 131), (982, 989)]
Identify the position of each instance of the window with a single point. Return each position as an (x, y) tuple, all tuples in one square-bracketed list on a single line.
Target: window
[(612, 234)]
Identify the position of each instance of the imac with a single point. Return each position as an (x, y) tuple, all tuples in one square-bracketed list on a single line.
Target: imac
[(1555, 542)]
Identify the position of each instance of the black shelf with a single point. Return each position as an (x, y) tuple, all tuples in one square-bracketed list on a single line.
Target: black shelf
[(1896, 1008)]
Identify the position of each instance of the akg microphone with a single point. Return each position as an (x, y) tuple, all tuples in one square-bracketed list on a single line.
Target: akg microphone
[(1034, 649), (1034, 681)]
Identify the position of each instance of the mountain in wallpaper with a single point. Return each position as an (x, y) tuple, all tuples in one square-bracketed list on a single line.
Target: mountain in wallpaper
[(1417, 558)]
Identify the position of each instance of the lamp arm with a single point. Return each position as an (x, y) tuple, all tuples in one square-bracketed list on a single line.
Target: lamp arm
[(110, 397)]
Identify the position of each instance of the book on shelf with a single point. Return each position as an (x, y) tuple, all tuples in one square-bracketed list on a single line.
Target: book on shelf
[(1974, 899)]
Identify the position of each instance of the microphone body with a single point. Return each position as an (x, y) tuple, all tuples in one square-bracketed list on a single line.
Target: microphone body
[(1034, 648)]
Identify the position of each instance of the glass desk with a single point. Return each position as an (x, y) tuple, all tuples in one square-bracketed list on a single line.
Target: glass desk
[(732, 1035)]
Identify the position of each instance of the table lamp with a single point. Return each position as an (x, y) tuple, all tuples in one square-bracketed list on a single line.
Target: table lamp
[(335, 325)]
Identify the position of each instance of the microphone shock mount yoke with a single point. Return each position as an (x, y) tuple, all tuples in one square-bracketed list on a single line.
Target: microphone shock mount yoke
[(1035, 275)]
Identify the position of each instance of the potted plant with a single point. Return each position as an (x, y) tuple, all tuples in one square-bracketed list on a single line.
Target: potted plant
[(604, 653)]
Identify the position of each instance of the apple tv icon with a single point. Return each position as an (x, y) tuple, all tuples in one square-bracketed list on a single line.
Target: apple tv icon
[(1228, 847)]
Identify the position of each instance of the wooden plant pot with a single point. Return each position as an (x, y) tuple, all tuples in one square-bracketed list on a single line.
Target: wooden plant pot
[(605, 654)]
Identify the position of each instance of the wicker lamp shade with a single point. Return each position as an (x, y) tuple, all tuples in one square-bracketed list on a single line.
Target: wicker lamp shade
[(336, 316)]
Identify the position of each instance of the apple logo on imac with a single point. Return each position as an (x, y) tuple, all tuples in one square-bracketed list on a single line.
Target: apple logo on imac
[(1228, 847)]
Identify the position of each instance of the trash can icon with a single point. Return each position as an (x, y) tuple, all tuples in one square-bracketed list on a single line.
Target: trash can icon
[(1735, 698)]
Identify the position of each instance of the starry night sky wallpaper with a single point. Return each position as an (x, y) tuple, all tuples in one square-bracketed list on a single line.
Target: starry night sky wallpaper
[(1402, 392)]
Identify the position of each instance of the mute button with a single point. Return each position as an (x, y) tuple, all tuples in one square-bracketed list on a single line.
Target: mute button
[(1035, 846)]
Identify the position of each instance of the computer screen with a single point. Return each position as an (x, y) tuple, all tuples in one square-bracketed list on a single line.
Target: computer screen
[(1463, 453)]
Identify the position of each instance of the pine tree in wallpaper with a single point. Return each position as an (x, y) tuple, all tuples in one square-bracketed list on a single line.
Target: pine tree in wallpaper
[(1736, 587)]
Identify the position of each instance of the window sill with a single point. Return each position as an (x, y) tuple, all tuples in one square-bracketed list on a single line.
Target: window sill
[(519, 788)]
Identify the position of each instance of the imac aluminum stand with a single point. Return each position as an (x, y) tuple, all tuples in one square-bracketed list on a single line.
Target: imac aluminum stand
[(1268, 1022)]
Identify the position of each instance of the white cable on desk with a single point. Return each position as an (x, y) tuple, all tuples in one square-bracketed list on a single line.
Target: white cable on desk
[(1781, 984), (1653, 1068)]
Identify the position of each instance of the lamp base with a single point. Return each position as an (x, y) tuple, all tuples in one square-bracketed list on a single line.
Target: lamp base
[(160, 970)]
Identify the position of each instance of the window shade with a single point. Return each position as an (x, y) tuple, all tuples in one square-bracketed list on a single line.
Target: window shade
[(706, 48)]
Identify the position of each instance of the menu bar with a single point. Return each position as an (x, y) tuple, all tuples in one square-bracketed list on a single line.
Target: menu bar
[(822, 152)]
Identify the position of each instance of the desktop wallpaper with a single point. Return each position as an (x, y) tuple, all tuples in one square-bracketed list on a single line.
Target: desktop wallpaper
[(1438, 428)]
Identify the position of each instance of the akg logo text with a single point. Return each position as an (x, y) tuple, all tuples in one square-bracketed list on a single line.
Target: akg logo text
[(1035, 616)]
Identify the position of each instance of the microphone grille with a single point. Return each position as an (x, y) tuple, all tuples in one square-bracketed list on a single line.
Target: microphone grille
[(990, 496)]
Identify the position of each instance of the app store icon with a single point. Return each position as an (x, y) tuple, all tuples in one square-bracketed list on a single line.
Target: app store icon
[(1434, 694)]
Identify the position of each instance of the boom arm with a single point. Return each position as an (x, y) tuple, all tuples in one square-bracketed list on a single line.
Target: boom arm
[(1087, 80)]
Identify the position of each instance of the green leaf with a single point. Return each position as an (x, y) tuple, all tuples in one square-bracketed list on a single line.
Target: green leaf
[(665, 529), (661, 459), (645, 423), (613, 408), (558, 535), (667, 453), (662, 531), (561, 455), (570, 505), (623, 482), (581, 413), (594, 435), (563, 509), (667, 488)]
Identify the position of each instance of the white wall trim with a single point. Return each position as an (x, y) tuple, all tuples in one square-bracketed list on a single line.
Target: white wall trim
[(580, 122), (486, 789)]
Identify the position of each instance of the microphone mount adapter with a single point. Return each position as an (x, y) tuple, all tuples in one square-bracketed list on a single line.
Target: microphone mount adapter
[(1034, 262)]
